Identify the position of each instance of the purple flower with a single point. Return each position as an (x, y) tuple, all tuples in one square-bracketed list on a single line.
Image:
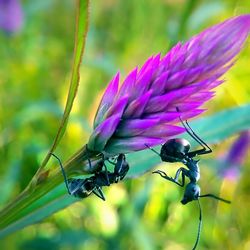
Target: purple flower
[(11, 15), (235, 158), (142, 110)]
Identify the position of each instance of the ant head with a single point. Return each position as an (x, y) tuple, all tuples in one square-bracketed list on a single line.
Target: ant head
[(192, 192), (174, 150)]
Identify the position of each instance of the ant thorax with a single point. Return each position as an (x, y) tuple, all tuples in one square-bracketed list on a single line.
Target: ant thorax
[(194, 170)]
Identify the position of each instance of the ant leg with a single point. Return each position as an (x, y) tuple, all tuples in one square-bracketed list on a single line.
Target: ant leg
[(63, 173), (215, 197), (175, 179), (98, 192), (205, 148), (197, 137), (184, 172), (121, 170), (165, 176), (198, 152)]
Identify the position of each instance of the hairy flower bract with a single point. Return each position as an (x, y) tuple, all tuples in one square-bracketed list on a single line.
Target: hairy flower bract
[(142, 110)]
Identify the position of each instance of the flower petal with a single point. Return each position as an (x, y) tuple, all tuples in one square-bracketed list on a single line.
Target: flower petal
[(184, 106), (130, 144), (158, 87), (102, 133), (107, 100), (143, 82), (174, 116), (128, 84), (134, 127), (118, 107), (159, 103), (136, 107), (163, 131)]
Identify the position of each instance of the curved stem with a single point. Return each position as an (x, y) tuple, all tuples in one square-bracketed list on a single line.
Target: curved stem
[(46, 181), (81, 30)]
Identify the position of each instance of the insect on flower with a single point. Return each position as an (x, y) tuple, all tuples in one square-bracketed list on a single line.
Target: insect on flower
[(142, 108), (82, 188), (178, 150)]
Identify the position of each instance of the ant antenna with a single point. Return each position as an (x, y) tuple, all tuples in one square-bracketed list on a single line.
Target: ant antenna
[(199, 227), (215, 197), (63, 172), (202, 143), (200, 216), (153, 150), (192, 133)]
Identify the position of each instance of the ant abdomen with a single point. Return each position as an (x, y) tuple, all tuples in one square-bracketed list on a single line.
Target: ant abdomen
[(80, 188), (174, 150)]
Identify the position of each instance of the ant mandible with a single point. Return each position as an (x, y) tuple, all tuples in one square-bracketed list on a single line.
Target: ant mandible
[(178, 150), (82, 188)]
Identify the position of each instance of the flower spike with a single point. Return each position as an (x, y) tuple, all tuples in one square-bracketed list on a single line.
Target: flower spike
[(143, 109)]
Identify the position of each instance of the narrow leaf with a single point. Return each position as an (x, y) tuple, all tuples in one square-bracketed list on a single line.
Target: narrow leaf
[(16, 215), (80, 39)]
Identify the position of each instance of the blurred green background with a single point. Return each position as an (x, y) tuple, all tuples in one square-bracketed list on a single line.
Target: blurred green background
[(142, 213)]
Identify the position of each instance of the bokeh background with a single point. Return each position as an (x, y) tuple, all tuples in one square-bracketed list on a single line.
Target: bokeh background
[(143, 212)]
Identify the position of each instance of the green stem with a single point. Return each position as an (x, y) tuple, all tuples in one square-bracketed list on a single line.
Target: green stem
[(47, 181), (80, 39)]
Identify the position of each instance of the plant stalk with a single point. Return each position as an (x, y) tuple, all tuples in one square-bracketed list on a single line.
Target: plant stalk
[(46, 181)]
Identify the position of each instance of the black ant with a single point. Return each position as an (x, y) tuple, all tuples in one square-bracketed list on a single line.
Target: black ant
[(82, 188), (178, 150)]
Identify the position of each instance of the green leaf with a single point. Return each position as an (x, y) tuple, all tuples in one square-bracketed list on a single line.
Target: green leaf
[(27, 208), (40, 209), (222, 125), (80, 40)]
